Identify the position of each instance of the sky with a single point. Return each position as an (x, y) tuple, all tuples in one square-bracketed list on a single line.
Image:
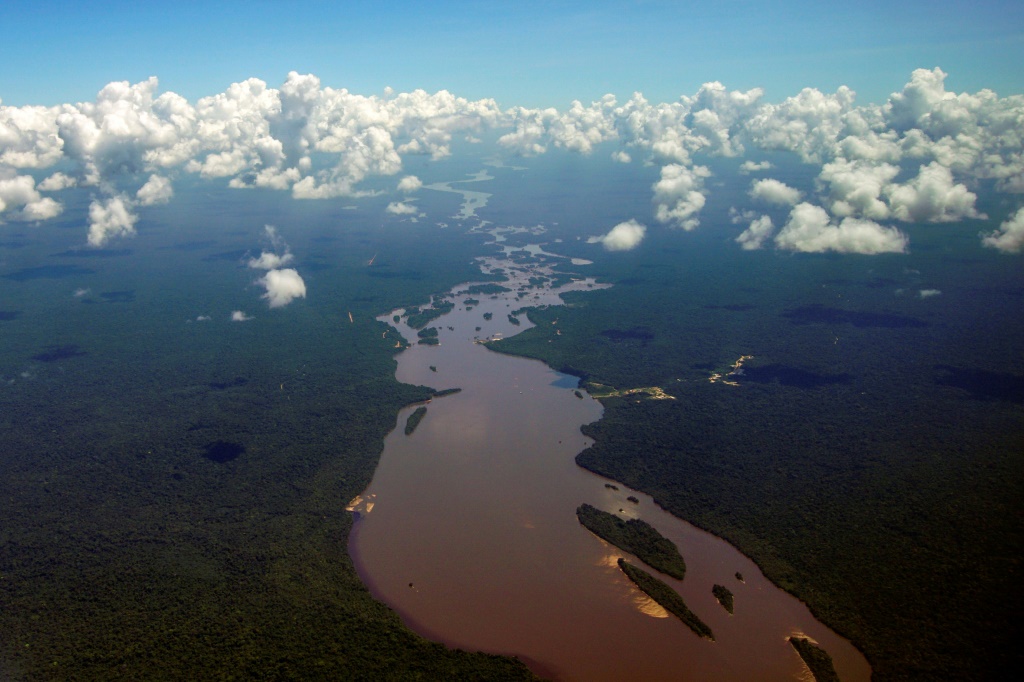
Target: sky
[(533, 54)]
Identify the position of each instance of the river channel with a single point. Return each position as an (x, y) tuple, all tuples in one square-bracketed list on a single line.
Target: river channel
[(468, 528)]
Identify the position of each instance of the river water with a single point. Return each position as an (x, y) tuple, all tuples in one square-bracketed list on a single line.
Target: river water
[(468, 529)]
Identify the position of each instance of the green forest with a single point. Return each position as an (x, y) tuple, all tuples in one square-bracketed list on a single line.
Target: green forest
[(868, 457), (172, 490)]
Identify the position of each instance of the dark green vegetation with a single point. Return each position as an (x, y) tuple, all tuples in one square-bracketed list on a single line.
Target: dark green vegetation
[(513, 319), (486, 289), (817, 659), (724, 596), (414, 420), (446, 391), (635, 536), (428, 336), (870, 459), (419, 318), (668, 598), (488, 316), (126, 553)]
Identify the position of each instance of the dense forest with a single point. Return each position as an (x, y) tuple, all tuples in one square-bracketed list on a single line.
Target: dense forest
[(172, 489), (866, 456)]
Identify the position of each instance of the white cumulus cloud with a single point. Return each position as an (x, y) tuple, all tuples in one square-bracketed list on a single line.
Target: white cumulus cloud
[(157, 190), (112, 217), (283, 286), (271, 261), (752, 166), (1009, 238), (809, 229), (19, 199), (410, 183), (757, 234), (678, 195), (56, 182), (933, 197), (622, 237), (774, 192), (401, 208)]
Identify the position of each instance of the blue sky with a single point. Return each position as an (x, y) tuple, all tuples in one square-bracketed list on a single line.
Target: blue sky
[(527, 53)]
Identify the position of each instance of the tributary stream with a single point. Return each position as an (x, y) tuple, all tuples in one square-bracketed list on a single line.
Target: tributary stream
[(469, 530)]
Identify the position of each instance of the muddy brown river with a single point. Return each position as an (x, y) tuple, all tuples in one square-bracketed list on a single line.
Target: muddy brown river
[(468, 529)]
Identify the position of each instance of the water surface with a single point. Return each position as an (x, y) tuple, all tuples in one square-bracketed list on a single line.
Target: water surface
[(469, 531)]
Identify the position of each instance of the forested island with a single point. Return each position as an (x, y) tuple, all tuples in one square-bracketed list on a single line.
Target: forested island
[(818, 661), (414, 420), (724, 596), (668, 598), (635, 536)]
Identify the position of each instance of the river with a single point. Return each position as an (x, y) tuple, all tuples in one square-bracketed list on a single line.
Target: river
[(468, 528)]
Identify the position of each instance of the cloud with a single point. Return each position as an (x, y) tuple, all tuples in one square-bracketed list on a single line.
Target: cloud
[(1009, 238), (111, 217), (857, 188), (932, 197), (319, 142), (678, 195), (19, 199), (752, 166), (809, 229), (157, 190), (623, 237), (774, 192), (401, 208), (409, 184), (270, 261), (757, 234), (239, 316), (283, 286), (808, 124), (56, 183), (928, 293)]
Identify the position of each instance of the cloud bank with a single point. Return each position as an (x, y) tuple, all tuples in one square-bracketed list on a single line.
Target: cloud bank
[(913, 159)]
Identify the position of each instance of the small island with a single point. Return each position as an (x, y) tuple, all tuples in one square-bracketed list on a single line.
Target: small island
[(816, 658), (414, 420), (487, 289), (724, 596), (637, 537), (668, 598), (418, 318), (444, 392), (428, 336)]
